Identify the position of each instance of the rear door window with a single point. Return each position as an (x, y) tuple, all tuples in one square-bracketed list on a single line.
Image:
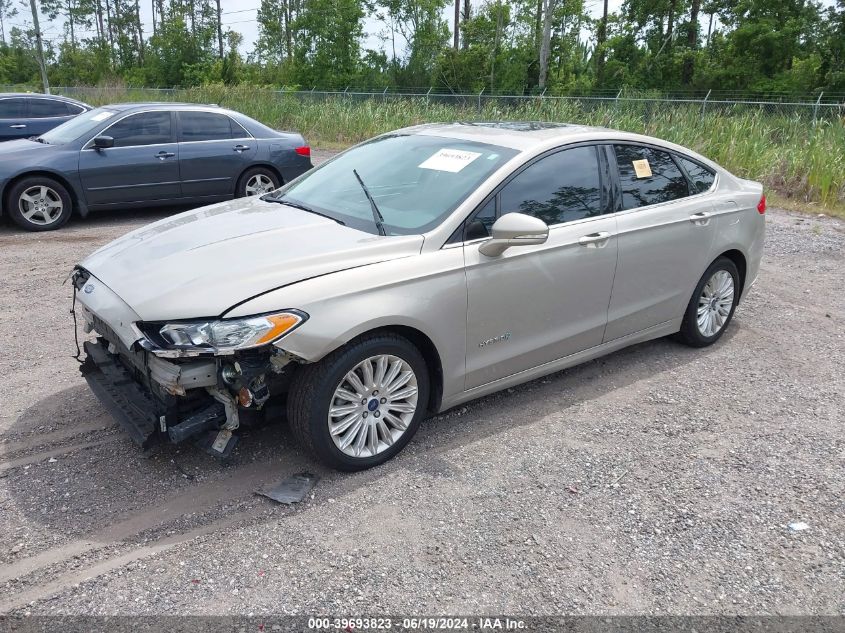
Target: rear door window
[(701, 177), (46, 108), (208, 126), (11, 108), (648, 176)]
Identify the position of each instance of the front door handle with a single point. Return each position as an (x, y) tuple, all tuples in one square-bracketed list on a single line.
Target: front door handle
[(165, 155), (595, 240), (700, 219), (19, 126), (240, 148)]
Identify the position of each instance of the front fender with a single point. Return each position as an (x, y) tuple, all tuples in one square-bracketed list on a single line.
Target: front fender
[(425, 292), (69, 178)]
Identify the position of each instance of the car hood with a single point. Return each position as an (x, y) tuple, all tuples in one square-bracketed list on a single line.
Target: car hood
[(12, 151), (203, 262)]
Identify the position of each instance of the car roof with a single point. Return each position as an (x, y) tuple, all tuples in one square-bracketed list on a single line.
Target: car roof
[(164, 105), (539, 135), (519, 135), (40, 95)]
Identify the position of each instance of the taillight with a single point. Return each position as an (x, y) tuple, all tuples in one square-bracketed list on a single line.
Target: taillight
[(303, 151), (761, 206)]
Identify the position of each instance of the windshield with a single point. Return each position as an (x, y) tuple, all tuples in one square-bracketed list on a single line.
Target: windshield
[(415, 181), (82, 125)]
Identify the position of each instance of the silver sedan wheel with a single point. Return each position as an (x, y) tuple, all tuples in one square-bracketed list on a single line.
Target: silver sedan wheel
[(258, 185), (715, 303), (41, 205), (373, 406)]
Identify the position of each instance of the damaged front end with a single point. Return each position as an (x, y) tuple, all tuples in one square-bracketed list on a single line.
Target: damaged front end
[(165, 382)]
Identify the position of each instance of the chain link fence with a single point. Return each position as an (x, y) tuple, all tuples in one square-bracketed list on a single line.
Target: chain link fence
[(814, 109), (810, 107)]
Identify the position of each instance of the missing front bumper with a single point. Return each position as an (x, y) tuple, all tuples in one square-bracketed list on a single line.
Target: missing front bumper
[(150, 413)]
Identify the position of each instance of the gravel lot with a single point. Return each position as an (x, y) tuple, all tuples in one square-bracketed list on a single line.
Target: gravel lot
[(659, 479)]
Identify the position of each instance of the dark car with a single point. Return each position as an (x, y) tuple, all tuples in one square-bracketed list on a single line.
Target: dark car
[(143, 155), (24, 115)]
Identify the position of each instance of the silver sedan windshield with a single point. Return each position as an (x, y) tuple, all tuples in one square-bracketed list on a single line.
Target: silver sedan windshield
[(415, 181)]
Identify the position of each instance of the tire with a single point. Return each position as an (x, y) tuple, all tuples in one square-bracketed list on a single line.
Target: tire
[(257, 181), (314, 390), (718, 285), (39, 203)]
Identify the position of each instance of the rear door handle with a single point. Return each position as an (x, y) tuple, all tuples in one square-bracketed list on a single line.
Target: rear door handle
[(595, 240), (701, 219), (165, 155), (241, 148), (19, 126)]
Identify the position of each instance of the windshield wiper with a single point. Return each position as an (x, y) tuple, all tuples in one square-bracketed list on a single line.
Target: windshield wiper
[(377, 217), (301, 207), (38, 139)]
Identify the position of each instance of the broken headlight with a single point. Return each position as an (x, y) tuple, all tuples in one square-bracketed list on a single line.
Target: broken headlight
[(229, 335)]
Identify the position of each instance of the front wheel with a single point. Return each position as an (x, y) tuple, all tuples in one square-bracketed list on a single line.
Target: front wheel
[(362, 404), (257, 181), (712, 305), (39, 203)]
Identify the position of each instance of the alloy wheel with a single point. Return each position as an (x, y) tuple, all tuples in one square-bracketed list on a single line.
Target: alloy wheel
[(373, 406), (258, 185), (715, 303), (41, 205)]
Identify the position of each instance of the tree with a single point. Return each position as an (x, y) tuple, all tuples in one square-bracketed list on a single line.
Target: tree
[(327, 53), (420, 24), (7, 10)]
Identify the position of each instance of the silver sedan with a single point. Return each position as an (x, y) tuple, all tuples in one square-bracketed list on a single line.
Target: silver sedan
[(409, 274)]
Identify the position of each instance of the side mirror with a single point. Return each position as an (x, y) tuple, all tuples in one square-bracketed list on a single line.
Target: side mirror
[(103, 142), (514, 229)]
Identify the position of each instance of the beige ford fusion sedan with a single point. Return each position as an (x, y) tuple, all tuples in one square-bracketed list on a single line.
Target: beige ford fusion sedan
[(414, 272)]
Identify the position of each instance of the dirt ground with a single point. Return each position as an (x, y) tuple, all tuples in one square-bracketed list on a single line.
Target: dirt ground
[(656, 480)]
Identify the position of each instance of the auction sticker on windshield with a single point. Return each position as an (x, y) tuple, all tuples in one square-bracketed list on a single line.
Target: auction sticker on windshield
[(452, 160)]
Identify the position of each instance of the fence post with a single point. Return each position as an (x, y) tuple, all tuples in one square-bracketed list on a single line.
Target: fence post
[(428, 93), (704, 105), (479, 100), (616, 101), (384, 95), (816, 107)]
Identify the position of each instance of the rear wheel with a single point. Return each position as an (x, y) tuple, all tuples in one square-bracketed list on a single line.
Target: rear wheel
[(712, 305), (362, 404), (39, 203), (257, 181)]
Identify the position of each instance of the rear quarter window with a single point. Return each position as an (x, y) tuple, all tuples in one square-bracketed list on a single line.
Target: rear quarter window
[(701, 177), (648, 176)]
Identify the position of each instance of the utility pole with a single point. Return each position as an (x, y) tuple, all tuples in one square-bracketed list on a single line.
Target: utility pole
[(601, 38), (39, 47), (219, 30), (545, 43), (467, 14), (457, 21)]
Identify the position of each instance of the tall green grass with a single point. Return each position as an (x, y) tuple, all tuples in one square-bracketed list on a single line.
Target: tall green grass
[(801, 160)]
